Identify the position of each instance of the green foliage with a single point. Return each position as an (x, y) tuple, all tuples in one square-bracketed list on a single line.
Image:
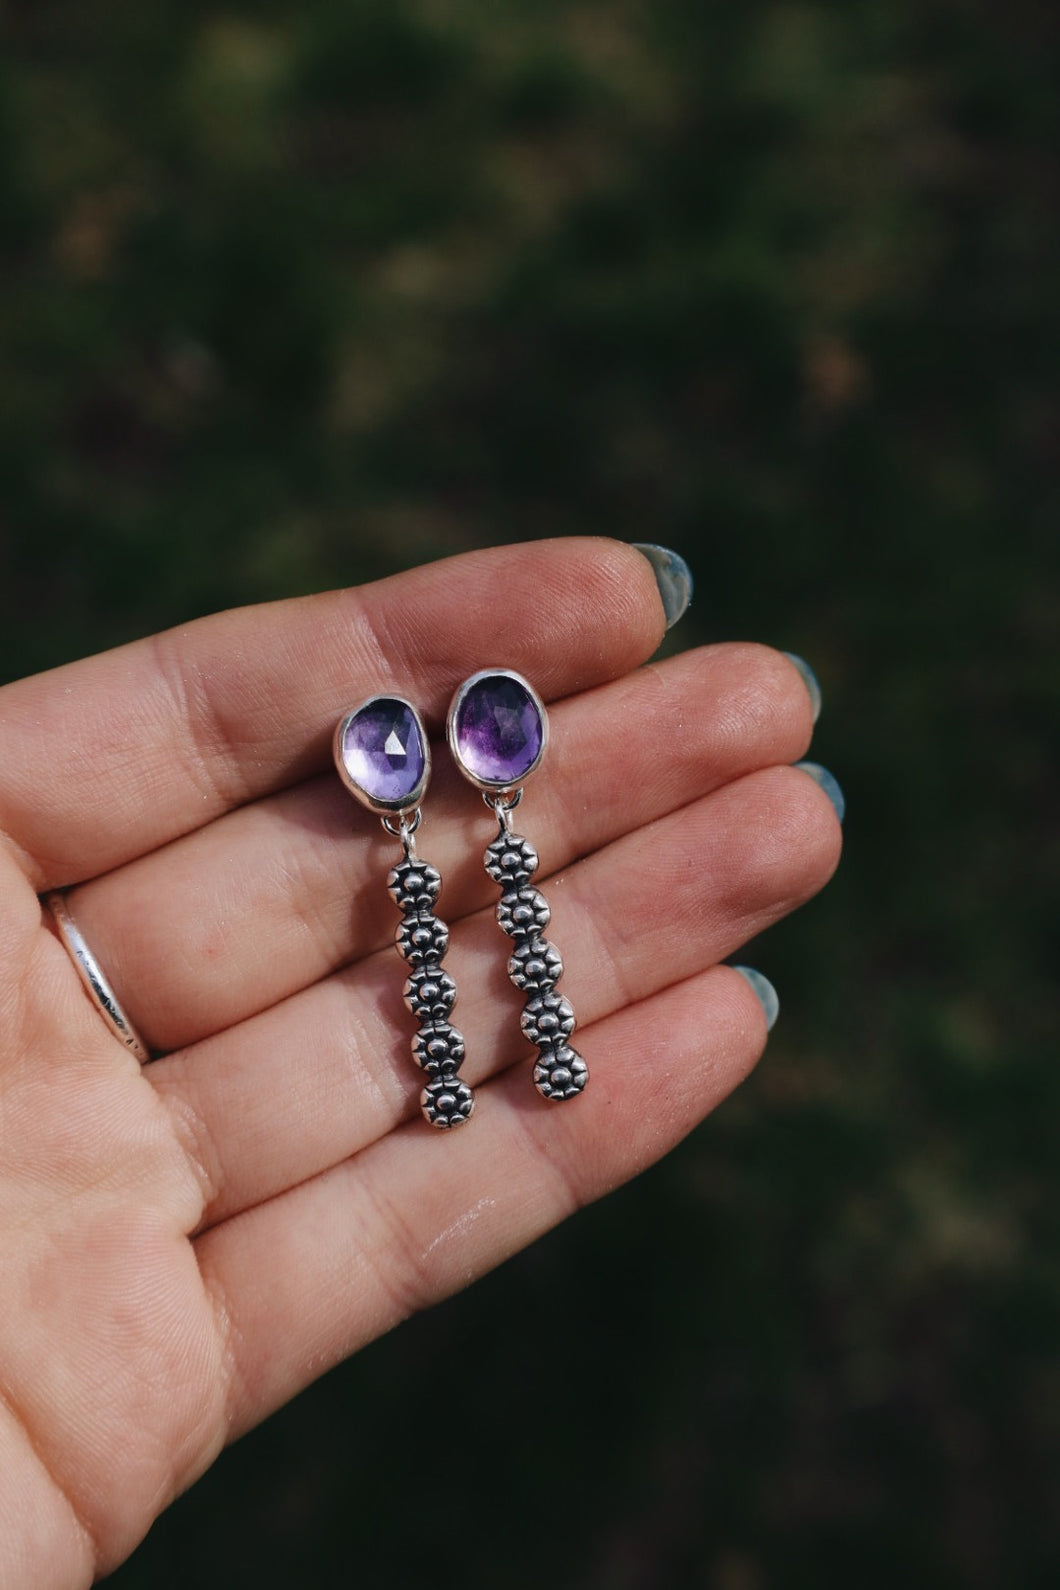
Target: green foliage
[(295, 295)]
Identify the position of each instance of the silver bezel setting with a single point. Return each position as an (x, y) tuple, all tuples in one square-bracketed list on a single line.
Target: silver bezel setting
[(396, 807), (494, 786)]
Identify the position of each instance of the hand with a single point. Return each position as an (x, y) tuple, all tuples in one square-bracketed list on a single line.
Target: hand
[(184, 1246)]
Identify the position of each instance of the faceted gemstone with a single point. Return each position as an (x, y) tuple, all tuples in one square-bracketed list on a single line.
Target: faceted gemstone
[(383, 752), (499, 730)]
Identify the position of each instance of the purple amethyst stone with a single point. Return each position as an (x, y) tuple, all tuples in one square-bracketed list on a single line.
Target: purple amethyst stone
[(498, 730), (382, 753)]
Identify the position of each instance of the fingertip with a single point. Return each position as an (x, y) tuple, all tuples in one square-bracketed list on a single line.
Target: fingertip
[(764, 992), (576, 611), (809, 679), (625, 598), (828, 782), (673, 579)]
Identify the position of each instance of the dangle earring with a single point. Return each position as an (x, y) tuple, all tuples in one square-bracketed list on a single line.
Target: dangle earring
[(498, 731), (384, 759)]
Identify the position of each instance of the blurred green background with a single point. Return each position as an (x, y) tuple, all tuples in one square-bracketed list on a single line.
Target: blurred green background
[(296, 295)]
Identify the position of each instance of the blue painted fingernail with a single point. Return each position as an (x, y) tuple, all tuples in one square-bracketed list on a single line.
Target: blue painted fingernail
[(672, 576), (767, 994), (809, 679), (828, 783)]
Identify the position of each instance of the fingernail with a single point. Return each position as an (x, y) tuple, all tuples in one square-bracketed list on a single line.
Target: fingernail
[(672, 576), (809, 679), (828, 783), (767, 994)]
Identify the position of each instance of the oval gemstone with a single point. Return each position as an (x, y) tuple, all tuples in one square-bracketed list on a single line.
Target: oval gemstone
[(382, 751), (499, 730)]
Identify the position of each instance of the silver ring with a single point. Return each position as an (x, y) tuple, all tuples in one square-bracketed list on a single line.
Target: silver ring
[(91, 974)]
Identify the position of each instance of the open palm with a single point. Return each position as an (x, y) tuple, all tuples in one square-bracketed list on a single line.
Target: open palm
[(184, 1246)]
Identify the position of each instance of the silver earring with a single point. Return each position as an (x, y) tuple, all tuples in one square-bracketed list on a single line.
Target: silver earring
[(498, 731), (383, 757)]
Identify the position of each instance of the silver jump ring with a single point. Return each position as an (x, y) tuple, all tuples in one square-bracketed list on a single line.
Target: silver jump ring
[(505, 800), (502, 804), (91, 974), (405, 830)]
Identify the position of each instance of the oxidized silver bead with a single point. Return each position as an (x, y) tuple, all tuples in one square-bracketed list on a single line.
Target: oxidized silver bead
[(547, 1019), (430, 994), (415, 886), (535, 966), (422, 939), (438, 1048), (560, 1073), (522, 912), (511, 861), (446, 1101)]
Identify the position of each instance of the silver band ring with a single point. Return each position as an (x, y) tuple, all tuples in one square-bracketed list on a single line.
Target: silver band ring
[(91, 974)]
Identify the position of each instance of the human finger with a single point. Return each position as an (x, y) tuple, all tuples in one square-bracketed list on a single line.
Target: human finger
[(654, 908), (109, 758), (227, 921), (306, 1279)]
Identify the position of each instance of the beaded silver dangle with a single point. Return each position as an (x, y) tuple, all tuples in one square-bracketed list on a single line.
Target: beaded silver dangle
[(383, 757), (498, 731)]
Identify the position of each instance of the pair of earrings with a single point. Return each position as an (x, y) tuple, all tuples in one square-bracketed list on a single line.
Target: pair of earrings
[(497, 730)]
